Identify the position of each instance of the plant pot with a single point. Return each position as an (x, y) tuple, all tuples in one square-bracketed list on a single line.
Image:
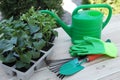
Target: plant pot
[(26, 74)]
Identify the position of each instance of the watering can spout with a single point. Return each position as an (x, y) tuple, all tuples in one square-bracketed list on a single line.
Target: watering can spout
[(58, 20)]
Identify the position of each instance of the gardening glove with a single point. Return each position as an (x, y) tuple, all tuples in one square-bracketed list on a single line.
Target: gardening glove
[(90, 45)]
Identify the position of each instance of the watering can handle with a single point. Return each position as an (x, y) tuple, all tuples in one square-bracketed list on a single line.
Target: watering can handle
[(96, 6)]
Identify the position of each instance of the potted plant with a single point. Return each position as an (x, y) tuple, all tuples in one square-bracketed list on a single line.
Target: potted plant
[(44, 21), (7, 43), (22, 42)]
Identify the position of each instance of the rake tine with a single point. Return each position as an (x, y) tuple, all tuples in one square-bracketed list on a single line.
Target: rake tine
[(59, 63), (55, 70), (55, 66), (60, 76)]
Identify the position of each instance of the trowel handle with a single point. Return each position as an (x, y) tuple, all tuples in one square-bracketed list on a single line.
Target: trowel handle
[(95, 6), (93, 57)]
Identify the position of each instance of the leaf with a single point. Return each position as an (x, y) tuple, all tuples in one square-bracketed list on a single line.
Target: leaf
[(10, 58), (10, 19), (37, 36), (5, 45), (13, 40), (2, 57), (1, 35), (21, 42), (39, 45), (55, 33), (19, 24), (20, 64), (24, 35), (29, 44), (25, 57), (34, 29), (24, 61), (8, 47), (35, 54)]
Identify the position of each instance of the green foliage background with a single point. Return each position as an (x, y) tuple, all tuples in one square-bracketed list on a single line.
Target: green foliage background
[(17, 7), (115, 4)]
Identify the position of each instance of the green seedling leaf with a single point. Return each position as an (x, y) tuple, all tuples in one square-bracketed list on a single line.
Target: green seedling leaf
[(2, 57), (34, 29), (5, 45), (10, 20), (20, 64), (55, 33), (21, 42), (13, 40), (8, 47), (25, 58), (19, 24), (37, 36), (10, 58), (1, 35), (39, 45), (35, 54)]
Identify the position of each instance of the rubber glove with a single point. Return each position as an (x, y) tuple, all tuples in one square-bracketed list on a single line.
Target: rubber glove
[(90, 45)]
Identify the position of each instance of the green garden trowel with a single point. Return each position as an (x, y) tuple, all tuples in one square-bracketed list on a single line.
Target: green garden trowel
[(74, 65)]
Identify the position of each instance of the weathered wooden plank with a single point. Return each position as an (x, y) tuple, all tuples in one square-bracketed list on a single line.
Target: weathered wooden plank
[(115, 76)]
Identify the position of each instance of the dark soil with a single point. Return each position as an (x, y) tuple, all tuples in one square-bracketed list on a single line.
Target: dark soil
[(23, 69), (47, 47), (52, 38), (9, 64)]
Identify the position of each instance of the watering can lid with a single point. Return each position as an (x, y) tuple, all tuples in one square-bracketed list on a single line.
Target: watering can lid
[(88, 14)]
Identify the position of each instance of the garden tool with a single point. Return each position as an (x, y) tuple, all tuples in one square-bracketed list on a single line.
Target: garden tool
[(91, 45), (74, 65), (54, 65), (84, 22)]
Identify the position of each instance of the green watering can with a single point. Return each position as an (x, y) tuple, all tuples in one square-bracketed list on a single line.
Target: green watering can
[(84, 23)]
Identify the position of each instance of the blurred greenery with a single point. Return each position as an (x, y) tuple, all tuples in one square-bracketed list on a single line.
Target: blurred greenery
[(16, 8), (115, 4)]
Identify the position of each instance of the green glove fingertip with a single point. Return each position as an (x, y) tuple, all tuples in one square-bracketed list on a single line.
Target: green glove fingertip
[(111, 49)]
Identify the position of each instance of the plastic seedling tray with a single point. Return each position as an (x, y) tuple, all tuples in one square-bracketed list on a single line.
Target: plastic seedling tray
[(26, 75)]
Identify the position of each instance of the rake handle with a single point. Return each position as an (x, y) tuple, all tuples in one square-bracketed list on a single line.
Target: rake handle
[(93, 57)]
